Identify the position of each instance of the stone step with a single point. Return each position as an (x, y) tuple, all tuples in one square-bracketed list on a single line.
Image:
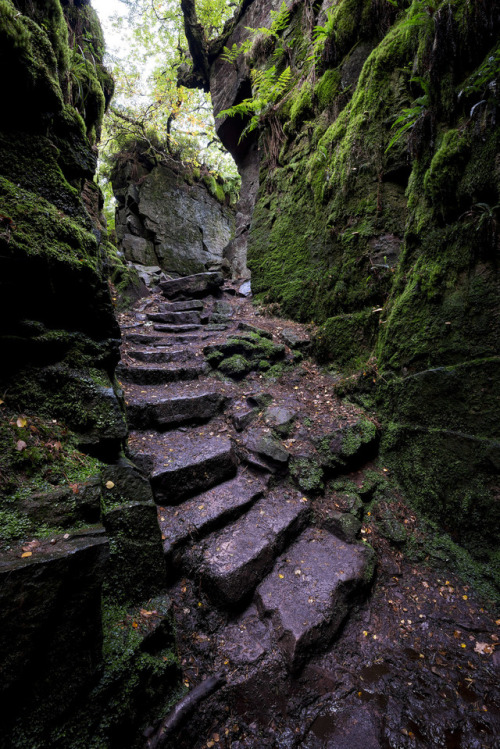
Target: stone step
[(183, 306), (144, 374), (234, 560), (199, 285), (173, 408), (202, 335), (166, 328), (182, 464), (147, 339), (309, 592), (160, 355), (198, 516), (189, 317)]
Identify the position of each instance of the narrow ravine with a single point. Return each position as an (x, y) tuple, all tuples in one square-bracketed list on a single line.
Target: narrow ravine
[(268, 492)]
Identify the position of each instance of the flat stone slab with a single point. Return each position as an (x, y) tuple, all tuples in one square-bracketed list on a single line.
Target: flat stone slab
[(158, 355), (172, 410), (189, 317), (198, 285), (183, 306), (151, 375), (308, 593), (197, 516), (167, 328), (184, 463), (235, 559), (146, 339)]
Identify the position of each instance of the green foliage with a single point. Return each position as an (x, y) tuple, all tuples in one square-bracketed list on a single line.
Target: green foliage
[(411, 115), (321, 35), (149, 106), (268, 84), (484, 77), (269, 87)]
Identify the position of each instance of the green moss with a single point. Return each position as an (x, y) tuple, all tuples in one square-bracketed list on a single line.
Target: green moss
[(327, 88), (235, 366), (445, 170), (302, 105), (215, 189), (346, 340), (307, 474)]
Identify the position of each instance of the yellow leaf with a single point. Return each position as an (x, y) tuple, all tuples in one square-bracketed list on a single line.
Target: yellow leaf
[(135, 625), (21, 422), (26, 554), (281, 576), (109, 485), (1, 402)]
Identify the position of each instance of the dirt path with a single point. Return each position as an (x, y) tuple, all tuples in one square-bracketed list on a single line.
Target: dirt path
[(268, 493)]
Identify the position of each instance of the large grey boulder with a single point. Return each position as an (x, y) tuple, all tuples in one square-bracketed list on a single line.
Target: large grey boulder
[(164, 220)]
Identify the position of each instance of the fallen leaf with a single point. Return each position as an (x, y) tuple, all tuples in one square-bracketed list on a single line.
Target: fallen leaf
[(74, 488), (484, 648), (21, 422), (21, 445), (26, 554), (109, 484)]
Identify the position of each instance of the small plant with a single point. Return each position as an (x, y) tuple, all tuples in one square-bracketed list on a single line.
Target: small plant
[(269, 88), (280, 20), (322, 35), (410, 116)]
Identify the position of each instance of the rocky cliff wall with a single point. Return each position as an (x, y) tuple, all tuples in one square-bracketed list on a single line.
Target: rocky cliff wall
[(170, 216), (389, 244), (65, 535)]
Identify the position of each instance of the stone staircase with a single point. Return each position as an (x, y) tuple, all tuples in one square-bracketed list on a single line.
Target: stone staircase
[(229, 516)]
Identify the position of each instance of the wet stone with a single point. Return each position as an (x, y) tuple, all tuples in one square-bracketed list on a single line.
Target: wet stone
[(235, 559), (159, 356), (345, 525), (308, 593), (252, 329), (198, 516), (185, 464), (144, 375), (295, 340), (171, 328), (242, 416), (145, 339), (175, 318), (263, 443), (183, 306), (247, 640), (198, 285), (280, 419), (173, 410)]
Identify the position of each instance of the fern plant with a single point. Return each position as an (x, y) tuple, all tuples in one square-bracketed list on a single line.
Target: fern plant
[(269, 88), (321, 35), (410, 115), (279, 22)]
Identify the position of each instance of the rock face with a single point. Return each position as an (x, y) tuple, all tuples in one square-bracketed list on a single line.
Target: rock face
[(60, 398), (388, 240), (165, 217)]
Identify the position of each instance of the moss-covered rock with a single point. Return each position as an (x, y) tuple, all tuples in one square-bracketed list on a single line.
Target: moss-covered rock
[(377, 218)]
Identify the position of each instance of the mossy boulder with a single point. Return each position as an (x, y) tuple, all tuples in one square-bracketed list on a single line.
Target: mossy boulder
[(244, 353)]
